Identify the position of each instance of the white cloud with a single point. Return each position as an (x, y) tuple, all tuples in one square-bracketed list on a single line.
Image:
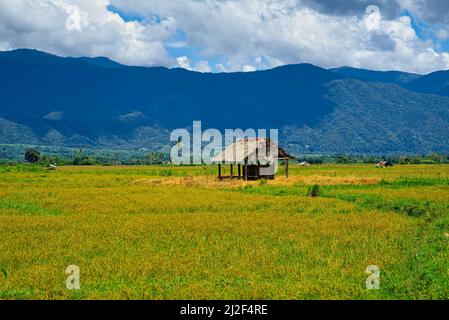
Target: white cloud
[(430, 11), (236, 35), (220, 67), (82, 27), (264, 33), (442, 34), (248, 68), (200, 66), (176, 44), (203, 66), (183, 62)]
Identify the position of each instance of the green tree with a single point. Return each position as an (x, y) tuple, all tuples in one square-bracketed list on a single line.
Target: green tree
[(81, 159), (32, 155)]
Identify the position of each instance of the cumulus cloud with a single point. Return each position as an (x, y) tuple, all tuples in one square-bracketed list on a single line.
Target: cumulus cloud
[(390, 8), (442, 33), (183, 62), (248, 68), (264, 33), (236, 35), (431, 11), (201, 66), (82, 27)]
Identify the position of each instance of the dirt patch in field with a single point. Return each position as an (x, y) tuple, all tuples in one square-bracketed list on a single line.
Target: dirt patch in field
[(213, 182)]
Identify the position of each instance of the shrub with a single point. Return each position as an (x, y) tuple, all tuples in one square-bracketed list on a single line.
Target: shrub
[(32, 155), (314, 191)]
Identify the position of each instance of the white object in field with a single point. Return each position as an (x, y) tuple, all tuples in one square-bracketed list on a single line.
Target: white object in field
[(52, 167)]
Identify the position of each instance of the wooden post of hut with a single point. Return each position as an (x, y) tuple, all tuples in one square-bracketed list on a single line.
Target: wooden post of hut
[(245, 170), (286, 168), (219, 171)]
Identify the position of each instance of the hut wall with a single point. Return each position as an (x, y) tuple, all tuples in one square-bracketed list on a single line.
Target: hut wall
[(268, 170)]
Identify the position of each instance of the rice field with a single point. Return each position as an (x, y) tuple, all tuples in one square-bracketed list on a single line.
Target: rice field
[(161, 232)]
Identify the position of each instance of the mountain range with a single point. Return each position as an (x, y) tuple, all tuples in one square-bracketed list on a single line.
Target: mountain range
[(99, 103)]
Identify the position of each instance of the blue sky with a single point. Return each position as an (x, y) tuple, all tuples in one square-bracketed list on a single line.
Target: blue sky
[(232, 35), (426, 30)]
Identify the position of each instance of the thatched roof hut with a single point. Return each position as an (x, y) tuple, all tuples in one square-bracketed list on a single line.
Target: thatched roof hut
[(255, 159)]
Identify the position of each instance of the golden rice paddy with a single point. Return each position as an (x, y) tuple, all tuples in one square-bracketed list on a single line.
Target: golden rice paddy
[(163, 232)]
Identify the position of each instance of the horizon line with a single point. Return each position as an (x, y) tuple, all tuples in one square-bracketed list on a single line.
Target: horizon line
[(221, 72)]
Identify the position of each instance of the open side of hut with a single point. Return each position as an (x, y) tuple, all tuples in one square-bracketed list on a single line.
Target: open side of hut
[(254, 159)]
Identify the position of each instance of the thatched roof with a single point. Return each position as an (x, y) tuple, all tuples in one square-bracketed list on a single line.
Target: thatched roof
[(250, 149)]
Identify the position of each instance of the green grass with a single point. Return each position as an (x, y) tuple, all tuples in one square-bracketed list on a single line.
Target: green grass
[(16, 206)]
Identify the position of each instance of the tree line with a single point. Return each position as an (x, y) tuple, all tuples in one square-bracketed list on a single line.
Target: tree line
[(81, 158)]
